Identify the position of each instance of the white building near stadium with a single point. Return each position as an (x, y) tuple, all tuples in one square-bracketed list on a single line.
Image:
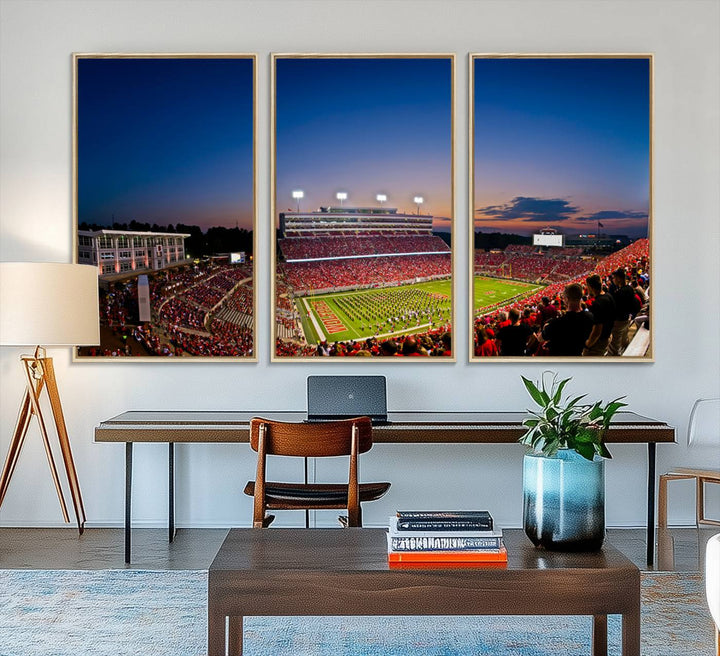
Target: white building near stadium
[(120, 251)]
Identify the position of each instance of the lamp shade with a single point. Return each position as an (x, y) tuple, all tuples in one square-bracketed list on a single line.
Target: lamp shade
[(48, 304)]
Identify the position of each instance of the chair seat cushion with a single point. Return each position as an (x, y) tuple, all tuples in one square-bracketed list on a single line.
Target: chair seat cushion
[(315, 495)]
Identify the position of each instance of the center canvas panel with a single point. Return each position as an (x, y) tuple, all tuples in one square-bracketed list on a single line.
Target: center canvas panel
[(363, 206)]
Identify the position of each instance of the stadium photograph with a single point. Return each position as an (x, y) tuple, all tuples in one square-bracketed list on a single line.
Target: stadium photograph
[(561, 191), (165, 206), (363, 206)]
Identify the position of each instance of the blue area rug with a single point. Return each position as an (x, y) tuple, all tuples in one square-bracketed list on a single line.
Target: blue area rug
[(130, 612)]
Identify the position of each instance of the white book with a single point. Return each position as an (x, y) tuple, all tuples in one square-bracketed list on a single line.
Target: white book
[(394, 532)]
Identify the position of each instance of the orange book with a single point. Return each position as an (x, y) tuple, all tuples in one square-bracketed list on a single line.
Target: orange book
[(448, 565), (485, 556)]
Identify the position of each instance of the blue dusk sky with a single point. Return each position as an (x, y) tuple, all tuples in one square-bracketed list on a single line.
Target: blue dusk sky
[(365, 126), (166, 141), (562, 143)]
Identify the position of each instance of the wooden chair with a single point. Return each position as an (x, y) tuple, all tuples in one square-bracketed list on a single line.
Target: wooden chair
[(703, 429), (349, 437)]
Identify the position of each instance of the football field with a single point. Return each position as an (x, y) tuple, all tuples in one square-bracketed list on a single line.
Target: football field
[(385, 312), (492, 292)]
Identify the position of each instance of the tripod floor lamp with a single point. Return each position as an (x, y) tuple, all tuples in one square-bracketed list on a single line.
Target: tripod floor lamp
[(46, 304)]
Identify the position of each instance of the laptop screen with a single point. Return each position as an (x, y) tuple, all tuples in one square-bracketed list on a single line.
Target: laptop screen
[(340, 397)]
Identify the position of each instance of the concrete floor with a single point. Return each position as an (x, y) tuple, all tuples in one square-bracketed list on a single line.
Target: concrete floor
[(679, 549)]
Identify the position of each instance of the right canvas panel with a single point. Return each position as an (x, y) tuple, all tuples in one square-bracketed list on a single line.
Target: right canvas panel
[(561, 194)]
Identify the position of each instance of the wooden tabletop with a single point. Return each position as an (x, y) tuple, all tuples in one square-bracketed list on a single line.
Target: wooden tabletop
[(406, 426), (365, 549)]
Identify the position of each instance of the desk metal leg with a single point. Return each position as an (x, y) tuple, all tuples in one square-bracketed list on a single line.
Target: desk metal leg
[(171, 491), (128, 497), (651, 505)]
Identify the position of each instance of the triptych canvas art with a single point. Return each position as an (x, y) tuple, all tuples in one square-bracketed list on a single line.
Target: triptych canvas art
[(363, 152)]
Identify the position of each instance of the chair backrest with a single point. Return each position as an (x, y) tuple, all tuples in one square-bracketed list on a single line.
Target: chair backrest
[(313, 439), (704, 423)]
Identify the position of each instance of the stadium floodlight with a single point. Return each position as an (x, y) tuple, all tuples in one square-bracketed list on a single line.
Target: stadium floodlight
[(418, 200), (297, 194), (381, 198), (341, 196)]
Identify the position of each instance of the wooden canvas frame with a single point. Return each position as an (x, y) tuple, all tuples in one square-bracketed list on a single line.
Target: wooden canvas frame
[(282, 198), (199, 112), (514, 203)]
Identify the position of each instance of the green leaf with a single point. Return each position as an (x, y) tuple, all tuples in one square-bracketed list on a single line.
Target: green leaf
[(558, 393), (577, 399), (586, 451), (534, 392)]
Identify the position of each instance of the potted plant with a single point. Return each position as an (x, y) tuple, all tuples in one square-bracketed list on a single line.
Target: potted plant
[(564, 468)]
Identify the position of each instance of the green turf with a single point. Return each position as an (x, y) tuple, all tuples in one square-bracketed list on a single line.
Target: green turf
[(488, 292), (361, 311)]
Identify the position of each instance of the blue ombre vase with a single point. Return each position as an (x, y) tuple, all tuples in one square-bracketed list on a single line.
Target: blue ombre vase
[(564, 501)]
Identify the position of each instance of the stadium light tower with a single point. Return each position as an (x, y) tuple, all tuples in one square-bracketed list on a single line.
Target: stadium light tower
[(341, 196), (297, 194), (381, 198), (418, 200)]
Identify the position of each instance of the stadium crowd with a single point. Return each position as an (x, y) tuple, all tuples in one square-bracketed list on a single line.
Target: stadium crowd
[(328, 275), (524, 262), (589, 315), (204, 309), (294, 248), (432, 343)]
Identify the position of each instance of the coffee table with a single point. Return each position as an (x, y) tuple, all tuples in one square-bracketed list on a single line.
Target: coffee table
[(275, 572)]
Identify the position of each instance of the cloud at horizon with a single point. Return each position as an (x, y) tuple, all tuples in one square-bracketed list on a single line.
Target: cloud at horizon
[(523, 213), (541, 210)]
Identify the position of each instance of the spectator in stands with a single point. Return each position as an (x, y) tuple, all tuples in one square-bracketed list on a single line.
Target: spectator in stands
[(603, 311), (627, 305), (411, 348), (485, 345), (503, 320), (566, 335), (446, 340), (547, 311), (513, 339), (388, 348)]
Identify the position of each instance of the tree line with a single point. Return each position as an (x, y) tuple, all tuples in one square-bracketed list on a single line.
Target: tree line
[(488, 241)]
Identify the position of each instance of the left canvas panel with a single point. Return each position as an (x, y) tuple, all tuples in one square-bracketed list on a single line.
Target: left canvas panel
[(165, 203)]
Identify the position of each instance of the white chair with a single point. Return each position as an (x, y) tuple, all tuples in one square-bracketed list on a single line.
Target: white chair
[(712, 584), (703, 431)]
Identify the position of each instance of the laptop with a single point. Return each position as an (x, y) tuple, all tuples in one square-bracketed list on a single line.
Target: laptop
[(330, 398)]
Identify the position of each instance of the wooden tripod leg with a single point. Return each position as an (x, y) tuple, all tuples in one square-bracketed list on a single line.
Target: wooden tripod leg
[(16, 443), (33, 391), (64, 440)]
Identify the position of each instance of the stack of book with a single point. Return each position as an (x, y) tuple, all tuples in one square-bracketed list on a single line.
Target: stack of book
[(438, 537)]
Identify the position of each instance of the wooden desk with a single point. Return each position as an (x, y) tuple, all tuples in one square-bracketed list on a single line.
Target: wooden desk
[(345, 572), (206, 426)]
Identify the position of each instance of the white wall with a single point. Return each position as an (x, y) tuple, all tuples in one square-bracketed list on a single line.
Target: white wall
[(37, 39)]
